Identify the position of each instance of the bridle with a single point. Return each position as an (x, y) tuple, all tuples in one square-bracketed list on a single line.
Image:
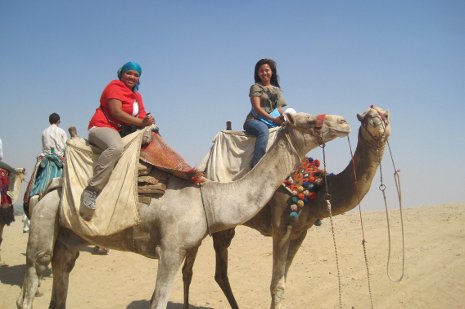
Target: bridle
[(383, 118), (320, 119)]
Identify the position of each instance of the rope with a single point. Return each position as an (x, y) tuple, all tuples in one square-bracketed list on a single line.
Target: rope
[(328, 204), (365, 255), (382, 188)]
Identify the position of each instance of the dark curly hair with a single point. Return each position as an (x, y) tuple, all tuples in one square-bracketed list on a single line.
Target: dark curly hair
[(274, 78)]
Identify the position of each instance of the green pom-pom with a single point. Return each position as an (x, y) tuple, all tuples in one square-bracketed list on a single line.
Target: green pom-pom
[(294, 214), (318, 222)]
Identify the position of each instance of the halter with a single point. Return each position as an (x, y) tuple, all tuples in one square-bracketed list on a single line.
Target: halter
[(320, 119), (382, 116)]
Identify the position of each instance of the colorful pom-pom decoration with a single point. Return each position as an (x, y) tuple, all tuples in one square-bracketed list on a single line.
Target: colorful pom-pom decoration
[(318, 222), (304, 184)]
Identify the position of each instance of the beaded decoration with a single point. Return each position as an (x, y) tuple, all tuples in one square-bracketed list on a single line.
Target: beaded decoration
[(304, 184)]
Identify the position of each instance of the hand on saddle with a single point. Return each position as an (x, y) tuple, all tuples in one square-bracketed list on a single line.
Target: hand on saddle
[(147, 137), (148, 120)]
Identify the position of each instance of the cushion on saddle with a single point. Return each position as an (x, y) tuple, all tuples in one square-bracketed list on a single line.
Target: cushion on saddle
[(160, 155), (49, 167)]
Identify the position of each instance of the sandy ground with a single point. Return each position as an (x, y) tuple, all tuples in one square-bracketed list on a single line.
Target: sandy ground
[(434, 267)]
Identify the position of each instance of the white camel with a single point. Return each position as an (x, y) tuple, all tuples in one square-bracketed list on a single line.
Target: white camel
[(346, 189), (177, 222)]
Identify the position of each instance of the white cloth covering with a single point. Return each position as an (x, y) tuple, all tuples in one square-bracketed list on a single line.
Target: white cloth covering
[(116, 204), (230, 155)]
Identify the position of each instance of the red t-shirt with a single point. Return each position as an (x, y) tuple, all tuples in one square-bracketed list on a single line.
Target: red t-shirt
[(116, 89)]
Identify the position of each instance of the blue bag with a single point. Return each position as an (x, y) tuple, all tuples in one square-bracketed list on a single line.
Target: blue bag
[(269, 123)]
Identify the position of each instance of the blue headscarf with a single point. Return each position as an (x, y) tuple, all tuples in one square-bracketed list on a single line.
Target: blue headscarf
[(128, 67)]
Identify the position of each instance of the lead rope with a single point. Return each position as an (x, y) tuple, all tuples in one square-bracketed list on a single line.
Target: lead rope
[(365, 255), (328, 205), (382, 188)]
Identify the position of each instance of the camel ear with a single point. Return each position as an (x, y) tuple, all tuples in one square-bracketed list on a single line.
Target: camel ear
[(303, 120), (361, 116), (290, 118)]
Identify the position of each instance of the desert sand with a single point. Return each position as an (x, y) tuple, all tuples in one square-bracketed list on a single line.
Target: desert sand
[(434, 273)]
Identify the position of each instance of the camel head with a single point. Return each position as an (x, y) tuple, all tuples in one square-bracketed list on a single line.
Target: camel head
[(375, 124), (20, 176), (321, 129)]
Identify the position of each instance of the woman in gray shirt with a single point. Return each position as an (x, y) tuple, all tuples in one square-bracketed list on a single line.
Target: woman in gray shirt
[(267, 106)]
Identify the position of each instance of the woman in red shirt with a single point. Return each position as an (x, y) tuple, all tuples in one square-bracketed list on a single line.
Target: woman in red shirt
[(121, 105)]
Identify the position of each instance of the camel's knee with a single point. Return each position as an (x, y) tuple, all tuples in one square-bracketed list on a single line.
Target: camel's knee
[(187, 274), (221, 277), (39, 261)]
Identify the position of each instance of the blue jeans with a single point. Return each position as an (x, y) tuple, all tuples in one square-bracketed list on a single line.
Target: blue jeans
[(261, 132)]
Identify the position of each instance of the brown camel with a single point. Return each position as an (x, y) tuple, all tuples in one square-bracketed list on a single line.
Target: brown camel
[(346, 190), (176, 223)]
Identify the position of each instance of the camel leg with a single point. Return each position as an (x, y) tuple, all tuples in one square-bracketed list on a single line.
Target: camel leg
[(294, 246), (64, 258), (170, 259), (39, 252), (221, 242), (187, 273), (281, 241)]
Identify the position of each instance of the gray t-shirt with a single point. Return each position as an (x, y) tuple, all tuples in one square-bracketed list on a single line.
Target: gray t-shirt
[(270, 98)]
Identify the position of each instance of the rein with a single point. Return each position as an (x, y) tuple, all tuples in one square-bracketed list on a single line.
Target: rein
[(328, 205), (285, 132), (379, 145), (382, 188)]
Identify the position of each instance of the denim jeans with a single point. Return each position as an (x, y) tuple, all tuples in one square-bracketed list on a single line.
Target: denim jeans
[(261, 132)]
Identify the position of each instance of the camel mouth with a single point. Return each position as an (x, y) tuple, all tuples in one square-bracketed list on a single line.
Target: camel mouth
[(342, 129)]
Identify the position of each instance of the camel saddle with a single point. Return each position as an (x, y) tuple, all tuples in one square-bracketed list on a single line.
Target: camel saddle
[(157, 162)]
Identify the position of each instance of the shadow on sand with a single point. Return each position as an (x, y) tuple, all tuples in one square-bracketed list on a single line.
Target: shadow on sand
[(12, 275), (143, 304)]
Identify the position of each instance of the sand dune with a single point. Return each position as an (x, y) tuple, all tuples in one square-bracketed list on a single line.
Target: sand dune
[(434, 267)]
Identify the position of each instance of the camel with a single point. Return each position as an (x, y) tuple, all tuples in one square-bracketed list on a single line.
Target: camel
[(288, 234), (20, 176), (176, 223)]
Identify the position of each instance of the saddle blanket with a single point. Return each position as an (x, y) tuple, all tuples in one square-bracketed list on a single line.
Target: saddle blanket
[(230, 155), (116, 208)]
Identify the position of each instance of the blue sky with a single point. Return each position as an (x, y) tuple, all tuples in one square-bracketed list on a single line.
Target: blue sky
[(334, 57)]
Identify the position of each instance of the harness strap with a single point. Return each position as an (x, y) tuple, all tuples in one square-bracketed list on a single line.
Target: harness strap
[(320, 119)]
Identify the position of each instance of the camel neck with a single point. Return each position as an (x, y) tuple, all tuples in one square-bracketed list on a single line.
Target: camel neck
[(241, 200)]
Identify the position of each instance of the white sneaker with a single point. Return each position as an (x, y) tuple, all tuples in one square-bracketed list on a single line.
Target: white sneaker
[(26, 224), (88, 198), (88, 204)]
